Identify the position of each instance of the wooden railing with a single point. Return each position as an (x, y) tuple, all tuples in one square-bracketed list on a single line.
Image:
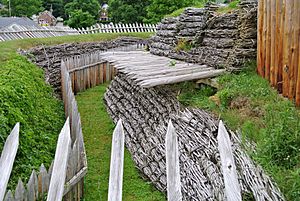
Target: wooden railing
[(21, 32), (118, 28), (278, 53)]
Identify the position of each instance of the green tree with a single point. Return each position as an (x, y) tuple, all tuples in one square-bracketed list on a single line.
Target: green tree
[(79, 19), (159, 8), (128, 11), (24, 7), (57, 6), (90, 6)]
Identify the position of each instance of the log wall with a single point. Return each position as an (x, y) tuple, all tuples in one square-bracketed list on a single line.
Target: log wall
[(278, 51)]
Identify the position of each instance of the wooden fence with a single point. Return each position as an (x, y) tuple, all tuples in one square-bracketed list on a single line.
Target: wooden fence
[(118, 28), (21, 32), (70, 158), (278, 53), (89, 70)]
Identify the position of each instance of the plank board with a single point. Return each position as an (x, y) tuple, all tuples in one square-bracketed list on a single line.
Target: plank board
[(172, 165), (7, 158), (150, 70), (58, 176), (116, 164), (232, 187)]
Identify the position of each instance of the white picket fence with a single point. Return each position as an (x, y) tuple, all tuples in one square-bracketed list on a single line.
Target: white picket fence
[(21, 32), (119, 28)]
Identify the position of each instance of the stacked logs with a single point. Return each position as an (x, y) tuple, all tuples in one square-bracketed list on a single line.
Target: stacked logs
[(217, 40), (49, 57), (145, 114)]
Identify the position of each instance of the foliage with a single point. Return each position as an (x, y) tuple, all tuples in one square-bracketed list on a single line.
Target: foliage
[(24, 8), (247, 102), (230, 7), (79, 19), (82, 12), (127, 11), (184, 45), (159, 8), (57, 6), (25, 98), (196, 4), (98, 125)]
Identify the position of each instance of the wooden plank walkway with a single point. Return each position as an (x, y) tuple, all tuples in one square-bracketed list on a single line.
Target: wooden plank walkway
[(150, 70)]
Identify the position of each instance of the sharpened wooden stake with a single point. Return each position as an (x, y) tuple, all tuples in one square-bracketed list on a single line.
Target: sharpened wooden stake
[(7, 158), (116, 164), (58, 176), (232, 187), (172, 164)]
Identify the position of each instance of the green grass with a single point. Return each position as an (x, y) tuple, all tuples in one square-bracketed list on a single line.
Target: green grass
[(230, 7), (246, 101), (97, 130), (26, 98)]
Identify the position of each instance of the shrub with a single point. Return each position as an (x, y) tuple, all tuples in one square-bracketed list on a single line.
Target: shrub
[(25, 98)]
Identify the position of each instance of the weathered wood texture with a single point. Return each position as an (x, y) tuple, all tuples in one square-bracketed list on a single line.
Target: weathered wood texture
[(150, 70), (145, 113), (7, 158), (77, 163), (58, 176), (278, 55), (20, 32), (232, 186), (172, 165), (116, 164)]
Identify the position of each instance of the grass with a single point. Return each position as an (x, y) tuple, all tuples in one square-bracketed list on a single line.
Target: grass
[(246, 101), (26, 98), (97, 129), (230, 7)]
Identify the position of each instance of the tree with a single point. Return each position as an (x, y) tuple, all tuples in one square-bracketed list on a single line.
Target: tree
[(128, 11), (159, 8), (57, 6), (90, 6), (79, 19), (25, 7)]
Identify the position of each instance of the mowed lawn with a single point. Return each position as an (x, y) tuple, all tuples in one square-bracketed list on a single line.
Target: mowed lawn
[(97, 129)]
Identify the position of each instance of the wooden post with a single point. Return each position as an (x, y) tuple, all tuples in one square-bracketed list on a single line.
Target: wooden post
[(7, 158), (58, 176), (172, 165), (116, 164), (260, 40), (232, 187)]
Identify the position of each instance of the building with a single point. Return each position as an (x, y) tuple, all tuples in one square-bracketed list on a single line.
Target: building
[(104, 13), (11, 22), (46, 19)]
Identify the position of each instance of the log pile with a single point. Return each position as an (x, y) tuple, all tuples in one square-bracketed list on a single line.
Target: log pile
[(217, 40), (145, 114), (49, 57)]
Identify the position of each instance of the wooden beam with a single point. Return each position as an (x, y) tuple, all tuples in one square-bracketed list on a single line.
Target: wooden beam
[(7, 158), (232, 187), (116, 164), (172, 165)]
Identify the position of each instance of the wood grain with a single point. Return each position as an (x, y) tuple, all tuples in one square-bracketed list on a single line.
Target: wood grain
[(7, 158)]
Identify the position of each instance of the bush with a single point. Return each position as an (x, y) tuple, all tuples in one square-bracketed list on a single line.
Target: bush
[(25, 98)]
